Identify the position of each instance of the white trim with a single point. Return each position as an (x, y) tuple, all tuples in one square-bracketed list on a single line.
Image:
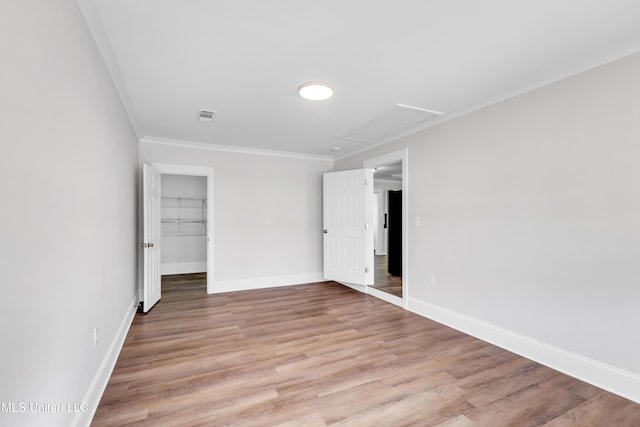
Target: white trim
[(566, 71), (96, 28), (232, 149), (267, 282), (183, 267), (208, 172), (618, 381), (103, 374), (385, 159)]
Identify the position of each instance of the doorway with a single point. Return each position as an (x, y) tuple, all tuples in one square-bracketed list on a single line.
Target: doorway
[(390, 184), (388, 256), (183, 230), (183, 218), (189, 223)]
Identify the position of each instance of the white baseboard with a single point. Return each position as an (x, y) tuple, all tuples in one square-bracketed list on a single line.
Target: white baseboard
[(610, 378), (184, 267), (266, 282), (101, 378)]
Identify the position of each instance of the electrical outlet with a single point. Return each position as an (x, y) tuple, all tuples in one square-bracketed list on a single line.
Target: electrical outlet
[(432, 279), (95, 337)]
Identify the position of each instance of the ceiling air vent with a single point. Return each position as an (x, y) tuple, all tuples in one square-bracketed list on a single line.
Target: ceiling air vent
[(206, 116)]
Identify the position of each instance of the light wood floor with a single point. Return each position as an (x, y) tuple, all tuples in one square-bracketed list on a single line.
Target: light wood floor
[(383, 280), (323, 355)]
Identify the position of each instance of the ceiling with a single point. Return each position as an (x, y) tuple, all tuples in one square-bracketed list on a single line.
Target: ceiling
[(245, 59), (390, 172)]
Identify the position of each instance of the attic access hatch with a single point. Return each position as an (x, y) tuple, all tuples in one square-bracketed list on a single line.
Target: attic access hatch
[(389, 123)]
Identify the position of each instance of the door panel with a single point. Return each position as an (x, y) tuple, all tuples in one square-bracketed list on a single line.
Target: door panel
[(152, 238), (334, 253), (348, 219), (353, 254)]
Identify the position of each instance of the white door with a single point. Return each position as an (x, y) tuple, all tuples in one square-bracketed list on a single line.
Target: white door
[(348, 226), (151, 244)]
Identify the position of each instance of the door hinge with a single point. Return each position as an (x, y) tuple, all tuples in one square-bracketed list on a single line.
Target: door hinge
[(366, 226)]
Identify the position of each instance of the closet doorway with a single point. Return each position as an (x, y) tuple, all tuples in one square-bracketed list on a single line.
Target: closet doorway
[(183, 218), (187, 223)]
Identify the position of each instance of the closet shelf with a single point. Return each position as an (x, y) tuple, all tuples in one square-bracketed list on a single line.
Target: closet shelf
[(182, 234), (181, 216), (183, 221)]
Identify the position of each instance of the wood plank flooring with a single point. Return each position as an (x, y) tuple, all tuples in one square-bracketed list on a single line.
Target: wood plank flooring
[(324, 355), (383, 280)]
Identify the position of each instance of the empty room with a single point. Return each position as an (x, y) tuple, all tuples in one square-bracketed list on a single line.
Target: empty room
[(296, 213)]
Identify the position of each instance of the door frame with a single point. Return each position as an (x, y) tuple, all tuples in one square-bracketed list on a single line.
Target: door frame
[(385, 159), (173, 169)]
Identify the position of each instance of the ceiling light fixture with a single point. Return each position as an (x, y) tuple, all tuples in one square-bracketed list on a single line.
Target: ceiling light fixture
[(316, 91)]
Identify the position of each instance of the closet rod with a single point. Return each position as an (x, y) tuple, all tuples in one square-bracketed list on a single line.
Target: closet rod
[(184, 198)]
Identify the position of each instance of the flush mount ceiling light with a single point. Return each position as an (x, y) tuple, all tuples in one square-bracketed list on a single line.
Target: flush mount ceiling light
[(315, 91)]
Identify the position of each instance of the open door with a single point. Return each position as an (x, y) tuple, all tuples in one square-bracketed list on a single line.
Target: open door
[(348, 226), (151, 245)]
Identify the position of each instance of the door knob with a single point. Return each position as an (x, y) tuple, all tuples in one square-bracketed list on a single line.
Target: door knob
[(325, 231)]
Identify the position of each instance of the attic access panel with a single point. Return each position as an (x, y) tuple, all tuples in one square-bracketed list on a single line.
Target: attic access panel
[(390, 123)]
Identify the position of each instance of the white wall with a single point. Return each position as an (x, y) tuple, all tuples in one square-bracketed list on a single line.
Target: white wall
[(68, 217), (268, 214), (184, 246), (530, 213)]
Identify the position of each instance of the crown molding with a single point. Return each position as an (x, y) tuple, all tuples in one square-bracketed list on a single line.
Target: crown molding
[(96, 28), (631, 47), (232, 149)]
